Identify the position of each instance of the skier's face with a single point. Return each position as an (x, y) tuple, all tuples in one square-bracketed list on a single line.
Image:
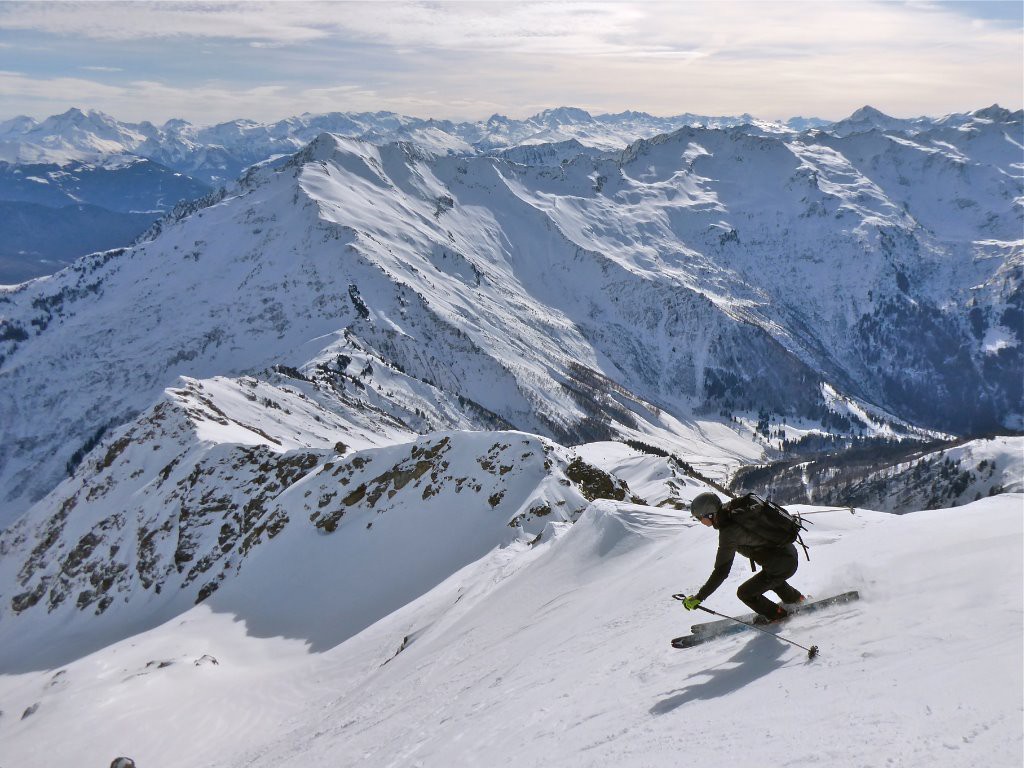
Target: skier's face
[(706, 521)]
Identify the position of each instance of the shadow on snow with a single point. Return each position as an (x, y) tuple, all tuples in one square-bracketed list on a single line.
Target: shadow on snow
[(758, 657)]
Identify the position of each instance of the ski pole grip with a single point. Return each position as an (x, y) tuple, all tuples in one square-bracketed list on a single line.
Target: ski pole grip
[(680, 596)]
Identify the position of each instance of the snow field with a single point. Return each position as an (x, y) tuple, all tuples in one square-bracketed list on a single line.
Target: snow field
[(558, 654)]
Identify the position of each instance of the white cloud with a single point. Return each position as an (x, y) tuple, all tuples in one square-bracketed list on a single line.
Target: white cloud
[(565, 28), (468, 59), (156, 101), (104, 20), (580, 28), (57, 90), (102, 69)]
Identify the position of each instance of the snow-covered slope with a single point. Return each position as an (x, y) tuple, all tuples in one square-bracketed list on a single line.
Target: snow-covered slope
[(556, 653), (705, 275), (951, 477), (178, 506)]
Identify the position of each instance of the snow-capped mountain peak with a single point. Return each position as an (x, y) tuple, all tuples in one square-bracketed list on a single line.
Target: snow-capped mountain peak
[(996, 114), (405, 415), (563, 116), (17, 126), (867, 112), (451, 268), (73, 135), (88, 125)]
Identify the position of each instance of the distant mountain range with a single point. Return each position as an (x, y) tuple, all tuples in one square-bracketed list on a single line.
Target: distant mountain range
[(217, 154), (79, 162)]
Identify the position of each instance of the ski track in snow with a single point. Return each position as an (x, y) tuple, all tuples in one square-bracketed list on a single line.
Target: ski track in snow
[(558, 655)]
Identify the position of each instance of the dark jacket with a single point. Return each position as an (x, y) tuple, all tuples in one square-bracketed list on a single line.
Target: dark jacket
[(732, 539)]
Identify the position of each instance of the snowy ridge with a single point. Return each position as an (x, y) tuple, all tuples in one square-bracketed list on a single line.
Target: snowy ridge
[(641, 296), (661, 480), (74, 135), (172, 501), (172, 509), (558, 653)]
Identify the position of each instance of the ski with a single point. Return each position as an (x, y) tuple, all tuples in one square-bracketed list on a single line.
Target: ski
[(809, 605), (702, 633)]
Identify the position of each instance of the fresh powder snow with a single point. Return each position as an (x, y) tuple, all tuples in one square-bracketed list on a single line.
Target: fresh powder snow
[(557, 653)]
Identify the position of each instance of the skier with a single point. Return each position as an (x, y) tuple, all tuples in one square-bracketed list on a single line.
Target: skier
[(778, 563)]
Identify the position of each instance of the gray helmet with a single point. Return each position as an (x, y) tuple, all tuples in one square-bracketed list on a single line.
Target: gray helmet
[(705, 505)]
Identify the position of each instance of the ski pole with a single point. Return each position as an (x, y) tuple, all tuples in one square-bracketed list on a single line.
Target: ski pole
[(823, 511), (811, 652)]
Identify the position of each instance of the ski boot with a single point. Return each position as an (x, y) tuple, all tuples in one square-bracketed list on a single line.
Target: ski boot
[(779, 614)]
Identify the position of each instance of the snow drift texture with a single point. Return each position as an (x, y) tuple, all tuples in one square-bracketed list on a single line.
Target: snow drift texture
[(558, 654)]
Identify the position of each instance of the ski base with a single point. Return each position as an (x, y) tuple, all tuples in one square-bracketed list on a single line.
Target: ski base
[(702, 633)]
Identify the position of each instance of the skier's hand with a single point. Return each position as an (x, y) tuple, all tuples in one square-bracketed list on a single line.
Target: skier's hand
[(691, 603)]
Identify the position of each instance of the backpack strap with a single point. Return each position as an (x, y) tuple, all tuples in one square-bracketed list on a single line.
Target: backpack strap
[(800, 541), (799, 535)]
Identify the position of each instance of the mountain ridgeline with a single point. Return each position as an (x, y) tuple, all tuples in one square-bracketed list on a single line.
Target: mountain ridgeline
[(861, 281), (80, 182)]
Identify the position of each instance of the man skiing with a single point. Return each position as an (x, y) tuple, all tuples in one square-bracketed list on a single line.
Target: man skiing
[(778, 562)]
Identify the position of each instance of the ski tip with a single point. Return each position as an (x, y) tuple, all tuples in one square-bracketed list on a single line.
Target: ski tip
[(813, 652)]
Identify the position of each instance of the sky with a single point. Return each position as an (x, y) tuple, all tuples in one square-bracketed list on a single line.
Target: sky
[(216, 61)]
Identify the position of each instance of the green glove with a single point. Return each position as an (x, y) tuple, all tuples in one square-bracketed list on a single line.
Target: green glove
[(691, 603)]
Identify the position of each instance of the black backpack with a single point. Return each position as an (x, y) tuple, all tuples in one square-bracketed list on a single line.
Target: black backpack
[(768, 521)]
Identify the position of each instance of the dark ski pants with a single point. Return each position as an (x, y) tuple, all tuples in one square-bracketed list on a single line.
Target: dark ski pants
[(777, 565)]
